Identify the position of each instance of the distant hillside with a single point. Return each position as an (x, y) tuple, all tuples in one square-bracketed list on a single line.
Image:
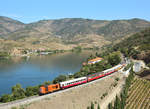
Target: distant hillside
[(70, 32), (71, 27), (120, 28), (136, 46), (8, 25)]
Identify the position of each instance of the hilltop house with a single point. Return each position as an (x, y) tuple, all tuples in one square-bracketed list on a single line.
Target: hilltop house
[(93, 61)]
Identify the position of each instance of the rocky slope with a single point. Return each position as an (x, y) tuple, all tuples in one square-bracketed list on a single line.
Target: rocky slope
[(8, 25)]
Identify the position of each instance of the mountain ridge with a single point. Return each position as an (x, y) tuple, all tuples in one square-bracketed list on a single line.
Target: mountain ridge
[(87, 33)]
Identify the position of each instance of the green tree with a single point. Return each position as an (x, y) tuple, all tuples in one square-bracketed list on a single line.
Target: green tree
[(122, 100), (18, 92), (114, 59), (98, 107), (110, 106), (47, 83), (88, 107), (85, 69), (117, 103), (60, 78), (92, 105), (30, 91), (77, 75), (6, 98)]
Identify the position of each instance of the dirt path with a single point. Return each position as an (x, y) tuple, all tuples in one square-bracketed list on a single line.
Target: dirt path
[(81, 96)]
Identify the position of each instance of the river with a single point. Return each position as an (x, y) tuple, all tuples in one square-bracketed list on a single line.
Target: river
[(35, 70)]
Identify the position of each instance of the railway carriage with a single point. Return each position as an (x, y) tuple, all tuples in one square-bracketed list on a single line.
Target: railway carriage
[(107, 72), (95, 76), (73, 82)]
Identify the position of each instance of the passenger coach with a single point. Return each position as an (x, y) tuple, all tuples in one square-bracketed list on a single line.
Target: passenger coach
[(73, 82)]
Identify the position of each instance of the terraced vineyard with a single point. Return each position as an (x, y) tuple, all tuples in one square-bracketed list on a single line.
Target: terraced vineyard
[(138, 95)]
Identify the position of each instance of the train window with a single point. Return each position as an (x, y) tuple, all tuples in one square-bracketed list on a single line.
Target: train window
[(46, 88)]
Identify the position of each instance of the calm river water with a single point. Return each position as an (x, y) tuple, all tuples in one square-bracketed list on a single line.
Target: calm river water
[(36, 70)]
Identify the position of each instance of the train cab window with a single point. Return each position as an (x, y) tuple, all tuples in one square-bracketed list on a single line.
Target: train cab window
[(54, 87), (46, 88)]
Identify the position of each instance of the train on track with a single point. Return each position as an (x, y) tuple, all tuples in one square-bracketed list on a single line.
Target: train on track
[(78, 81)]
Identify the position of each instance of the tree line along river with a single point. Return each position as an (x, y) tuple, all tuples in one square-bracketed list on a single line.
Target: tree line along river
[(38, 69)]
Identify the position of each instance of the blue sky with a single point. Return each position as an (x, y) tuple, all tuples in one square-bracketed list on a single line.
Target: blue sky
[(29, 11)]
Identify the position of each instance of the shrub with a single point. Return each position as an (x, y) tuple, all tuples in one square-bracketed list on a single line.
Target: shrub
[(114, 58), (30, 91), (98, 107), (117, 79), (18, 92), (60, 78), (6, 98), (92, 105)]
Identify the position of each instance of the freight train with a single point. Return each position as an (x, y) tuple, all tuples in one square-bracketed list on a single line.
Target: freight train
[(78, 81)]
